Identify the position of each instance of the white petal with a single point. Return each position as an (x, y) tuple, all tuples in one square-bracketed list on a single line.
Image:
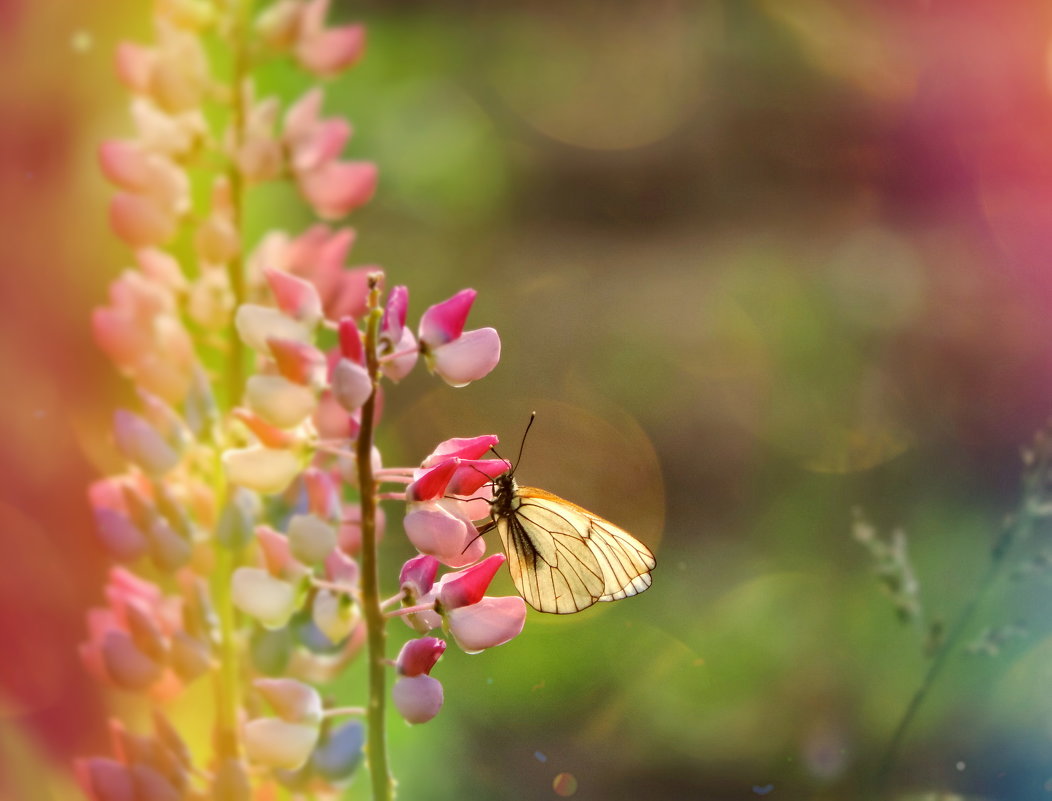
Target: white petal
[(256, 324), (265, 470), (279, 744), (277, 400), (258, 594)]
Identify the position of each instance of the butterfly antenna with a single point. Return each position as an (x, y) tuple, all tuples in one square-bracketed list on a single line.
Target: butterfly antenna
[(522, 444)]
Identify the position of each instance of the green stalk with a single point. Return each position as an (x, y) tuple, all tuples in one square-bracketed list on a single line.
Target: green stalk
[(383, 786), (227, 684)]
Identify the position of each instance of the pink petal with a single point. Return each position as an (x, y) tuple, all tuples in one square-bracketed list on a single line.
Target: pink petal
[(277, 555), (436, 531), (140, 221), (444, 321), (402, 364), (431, 484), (134, 64), (488, 623), (395, 312), (351, 384), (295, 296), (296, 361), (105, 779), (461, 447), (322, 496), (418, 656), (473, 474), (161, 268), (333, 50), (417, 698), (469, 587), (324, 143), (338, 187), (468, 358), (351, 341), (269, 435), (341, 568), (125, 165), (350, 293), (418, 575), (303, 116)]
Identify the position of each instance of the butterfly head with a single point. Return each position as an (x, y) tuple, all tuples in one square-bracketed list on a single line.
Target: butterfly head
[(504, 489)]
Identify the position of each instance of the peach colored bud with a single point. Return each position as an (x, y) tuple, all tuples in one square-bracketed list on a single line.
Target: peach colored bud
[(278, 24), (140, 221), (327, 51), (195, 15), (296, 297), (262, 469), (336, 188), (334, 614), (125, 164), (271, 436), (257, 324), (172, 135), (278, 401), (417, 698), (162, 268), (311, 539), (211, 300), (258, 594), (303, 364), (276, 743), (292, 700), (217, 240), (134, 64), (277, 555)]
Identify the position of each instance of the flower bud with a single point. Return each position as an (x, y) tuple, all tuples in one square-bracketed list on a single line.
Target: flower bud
[(292, 700), (257, 324), (417, 698), (278, 400), (142, 444), (310, 538), (469, 586), (269, 600), (264, 470), (339, 753), (420, 655), (276, 743), (335, 614)]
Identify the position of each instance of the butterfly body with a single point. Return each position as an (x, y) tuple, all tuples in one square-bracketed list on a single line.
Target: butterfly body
[(563, 558)]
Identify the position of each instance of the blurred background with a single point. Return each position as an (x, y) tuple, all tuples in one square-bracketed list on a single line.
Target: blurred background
[(755, 264)]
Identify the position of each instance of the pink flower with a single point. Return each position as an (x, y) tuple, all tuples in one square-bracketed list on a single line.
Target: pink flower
[(327, 51), (418, 656), (398, 349), (438, 528), (417, 698), (456, 356), (418, 576), (333, 188)]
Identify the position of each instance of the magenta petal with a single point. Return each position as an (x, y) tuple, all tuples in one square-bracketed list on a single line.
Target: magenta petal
[(469, 587), (326, 140), (418, 575), (420, 655), (432, 483), (417, 698), (351, 341), (394, 314), (468, 358), (472, 474), (488, 623), (444, 321), (461, 447)]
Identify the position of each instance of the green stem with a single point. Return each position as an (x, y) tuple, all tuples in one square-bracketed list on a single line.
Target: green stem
[(383, 786), (227, 685), (1021, 528)]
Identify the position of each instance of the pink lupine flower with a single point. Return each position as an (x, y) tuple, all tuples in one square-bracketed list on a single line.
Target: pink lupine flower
[(488, 623), (398, 347), (418, 656), (256, 324), (318, 255), (437, 529), (259, 154), (333, 188), (327, 51), (142, 444), (171, 135), (174, 75), (457, 356), (323, 494), (291, 700), (278, 401), (105, 779), (269, 435), (417, 698), (336, 188), (469, 586), (277, 555)]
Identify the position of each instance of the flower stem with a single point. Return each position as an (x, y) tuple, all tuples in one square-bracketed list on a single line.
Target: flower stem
[(1019, 529), (383, 786), (227, 689)]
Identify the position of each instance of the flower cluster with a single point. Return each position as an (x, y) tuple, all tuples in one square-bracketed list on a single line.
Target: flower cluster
[(244, 520)]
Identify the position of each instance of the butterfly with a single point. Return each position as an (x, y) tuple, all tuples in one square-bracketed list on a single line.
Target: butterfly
[(562, 557)]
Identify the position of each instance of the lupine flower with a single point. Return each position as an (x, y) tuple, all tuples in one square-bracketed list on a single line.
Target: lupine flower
[(417, 698), (397, 343), (457, 356), (488, 623), (266, 470), (326, 51), (436, 525), (287, 740), (258, 594)]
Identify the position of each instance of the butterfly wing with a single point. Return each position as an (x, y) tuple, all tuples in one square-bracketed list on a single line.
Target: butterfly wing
[(549, 559), (563, 558)]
